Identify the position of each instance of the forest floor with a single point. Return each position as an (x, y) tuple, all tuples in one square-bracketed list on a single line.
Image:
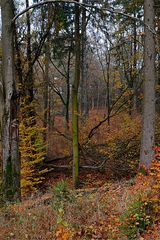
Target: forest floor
[(92, 212)]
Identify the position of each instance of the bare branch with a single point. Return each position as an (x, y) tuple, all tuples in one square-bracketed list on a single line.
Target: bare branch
[(58, 70), (84, 5)]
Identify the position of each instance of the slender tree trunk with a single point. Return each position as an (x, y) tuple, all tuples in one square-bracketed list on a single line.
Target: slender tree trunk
[(148, 129), (1, 111), (98, 96), (75, 87), (68, 89), (46, 76), (11, 163), (108, 86), (46, 88), (84, 97), (134, 74), (29, 77)]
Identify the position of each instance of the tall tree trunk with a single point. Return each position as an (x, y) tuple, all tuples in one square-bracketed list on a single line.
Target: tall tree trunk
[(46, 73), (11, 163), (158, 51), (83, 96), (1, 109), (68, 89), (29, 77), (108, 85), (75, 87), (46, 88), (148, 129), (134, 72)]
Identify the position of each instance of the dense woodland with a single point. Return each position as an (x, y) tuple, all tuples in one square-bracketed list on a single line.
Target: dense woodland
[(79, 119)]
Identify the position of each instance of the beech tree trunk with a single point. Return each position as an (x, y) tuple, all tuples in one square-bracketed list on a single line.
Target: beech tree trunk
[(158, 51), (46, 74), (84, 71), (11, 163), (1, 111), (148, 128), (68, 88), (46, 89), (29, 80), (134, 71)]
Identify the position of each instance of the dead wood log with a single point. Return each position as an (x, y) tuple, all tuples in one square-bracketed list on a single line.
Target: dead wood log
[(53, 167)]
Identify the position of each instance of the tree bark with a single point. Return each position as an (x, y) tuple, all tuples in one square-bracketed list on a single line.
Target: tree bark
[(75, 87), (134, 71), (1, 110), (11, 163), (46, 74), (29, 81), (83, 96), (158, 51), (148, 128), (68, 89)]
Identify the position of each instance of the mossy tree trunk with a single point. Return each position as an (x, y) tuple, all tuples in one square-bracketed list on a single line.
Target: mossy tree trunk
[(75, 87), (11, 163)]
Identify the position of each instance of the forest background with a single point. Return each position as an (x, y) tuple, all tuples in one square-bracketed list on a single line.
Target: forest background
[(80, 90)]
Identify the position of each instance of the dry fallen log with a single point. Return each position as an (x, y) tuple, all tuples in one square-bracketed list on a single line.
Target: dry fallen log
[(57, 159), (53, 166)]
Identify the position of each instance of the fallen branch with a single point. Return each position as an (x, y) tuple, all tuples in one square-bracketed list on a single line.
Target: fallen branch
[(53, 167), (58, 159)]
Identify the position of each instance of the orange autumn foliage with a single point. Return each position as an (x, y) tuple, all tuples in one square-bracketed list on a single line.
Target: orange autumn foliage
[(118, 143), (63, 233), (155, 171)]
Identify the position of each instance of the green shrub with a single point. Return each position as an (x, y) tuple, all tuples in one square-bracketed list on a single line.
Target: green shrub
[(136, 218), (61, 198)]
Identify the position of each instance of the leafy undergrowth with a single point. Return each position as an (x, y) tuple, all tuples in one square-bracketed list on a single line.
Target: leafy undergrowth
[(114, 210)]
